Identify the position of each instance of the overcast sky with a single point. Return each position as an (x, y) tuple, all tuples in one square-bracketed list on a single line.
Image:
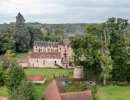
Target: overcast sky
[(64, 11)]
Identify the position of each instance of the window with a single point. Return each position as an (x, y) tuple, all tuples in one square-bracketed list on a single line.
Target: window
[(48, 50), (60, 48), (37, 60), (36, 46), (55, 62), (43, 62), (65, 50), (53, 57), (36, 49)]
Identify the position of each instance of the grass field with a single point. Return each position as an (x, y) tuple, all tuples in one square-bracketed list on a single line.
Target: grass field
[(114, 92)]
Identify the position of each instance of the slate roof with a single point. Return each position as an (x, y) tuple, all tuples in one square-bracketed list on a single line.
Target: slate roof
[(55, 91), (66, 41), (45, 43), (34, 77), (54, 44), (61, 42), (41, 43)]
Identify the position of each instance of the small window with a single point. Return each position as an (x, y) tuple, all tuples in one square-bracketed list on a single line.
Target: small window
[(60, 48), (53, 57), (65, 50), (36, 49), (37, 60), (36, 46), (43, 62), (48, 50), (55, 62)]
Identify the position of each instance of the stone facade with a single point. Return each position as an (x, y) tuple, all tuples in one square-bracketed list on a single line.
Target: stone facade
[(50, 54)]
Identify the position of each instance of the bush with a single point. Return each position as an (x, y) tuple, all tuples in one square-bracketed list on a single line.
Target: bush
[(5, 65), (3, 77), (10, 53)]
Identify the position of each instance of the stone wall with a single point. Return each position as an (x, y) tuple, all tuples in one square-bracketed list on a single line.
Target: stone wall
[(44, 62)]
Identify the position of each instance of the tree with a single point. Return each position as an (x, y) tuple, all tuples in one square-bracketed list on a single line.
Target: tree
[(87, 54), (7, 41), (15, 75), (21, 34), (25, 91), (106, 60), (118, 48), (18, 86), (35, 34), (59, 33)]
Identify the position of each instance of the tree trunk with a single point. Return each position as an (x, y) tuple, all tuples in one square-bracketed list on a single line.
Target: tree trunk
[(104, 76)]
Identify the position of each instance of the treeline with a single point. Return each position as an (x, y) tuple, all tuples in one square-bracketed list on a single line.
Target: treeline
[(103, 50), (19, 36)]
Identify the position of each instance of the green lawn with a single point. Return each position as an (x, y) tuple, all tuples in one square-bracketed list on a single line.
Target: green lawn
[(3, 91), (114, 92)]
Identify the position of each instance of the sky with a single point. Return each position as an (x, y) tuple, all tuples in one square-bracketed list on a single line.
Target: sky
[(64, 11)]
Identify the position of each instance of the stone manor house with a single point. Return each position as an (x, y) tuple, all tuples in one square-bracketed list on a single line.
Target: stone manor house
[(50, 54)]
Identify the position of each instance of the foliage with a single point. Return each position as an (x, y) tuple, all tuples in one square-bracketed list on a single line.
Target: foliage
[(25, 91), (9, 53), (18, 86), (5, 65), (21, 34), (118, 48), (35, 34), (3, 76), (87, 54), (15, 75), (59, 33), (7, 41)]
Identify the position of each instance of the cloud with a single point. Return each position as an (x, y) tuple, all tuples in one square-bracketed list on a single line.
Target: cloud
[(64, 11)]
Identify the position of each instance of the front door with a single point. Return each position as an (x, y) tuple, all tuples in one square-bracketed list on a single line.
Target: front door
[(66, 66)]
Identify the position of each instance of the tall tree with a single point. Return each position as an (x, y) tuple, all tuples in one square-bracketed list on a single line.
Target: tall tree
[(21, 34), (35, 34), (118, 48), (15, 75), (7, 41), (18, 86), (87, 54)]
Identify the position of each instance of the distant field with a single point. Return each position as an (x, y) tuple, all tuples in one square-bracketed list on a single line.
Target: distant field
[(113, 92)]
